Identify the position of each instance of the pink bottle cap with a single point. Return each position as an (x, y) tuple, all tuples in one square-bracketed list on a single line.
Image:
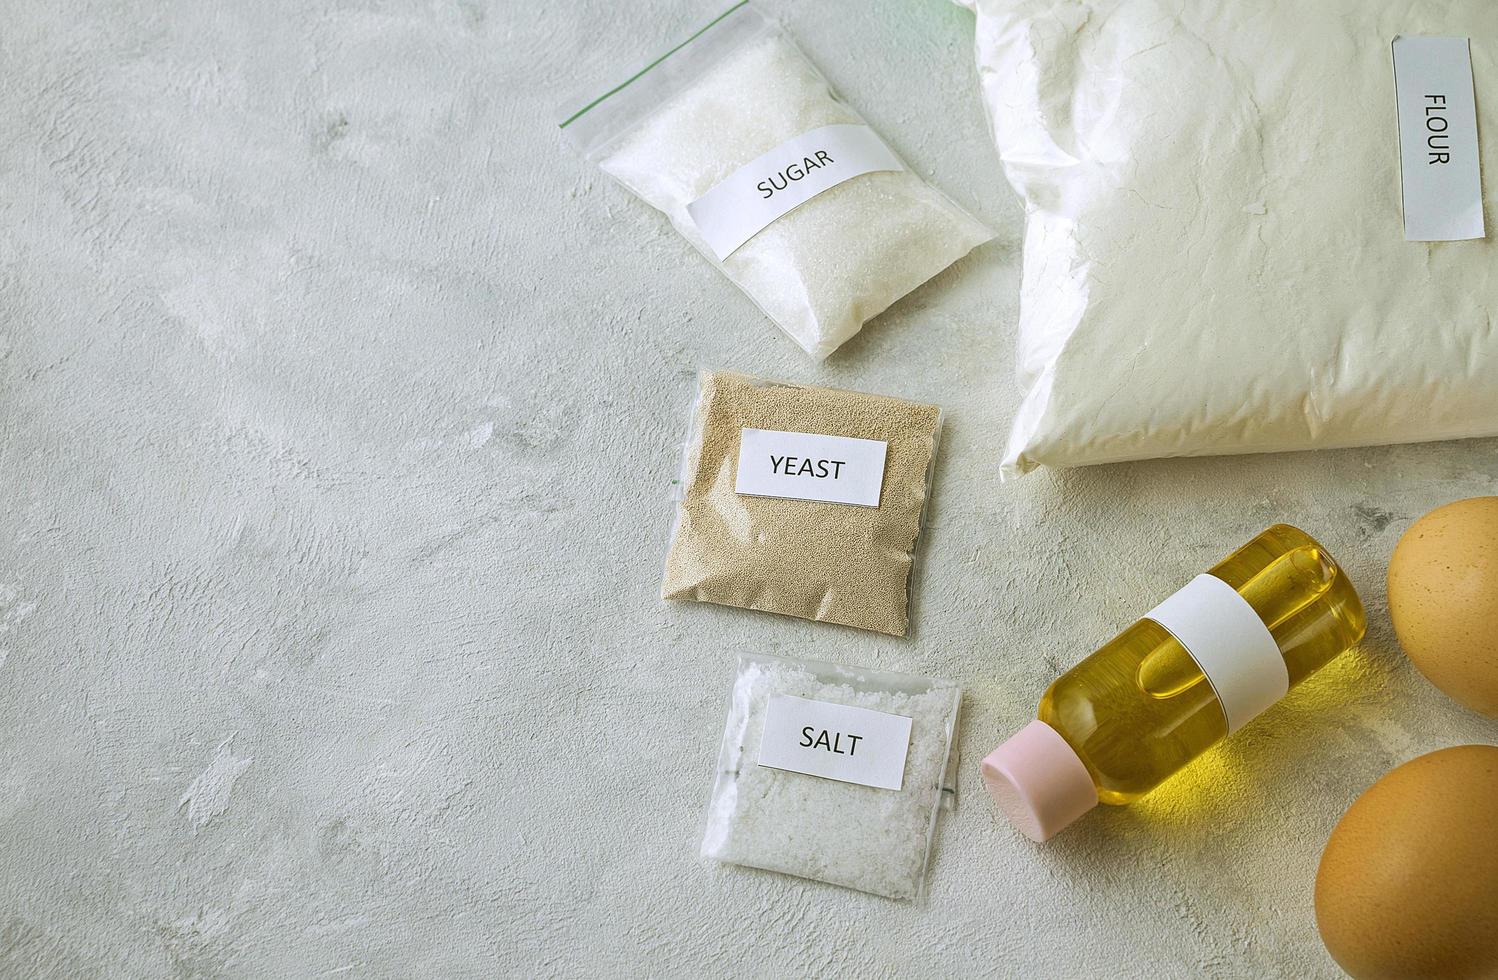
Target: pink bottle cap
[(1038, 781)]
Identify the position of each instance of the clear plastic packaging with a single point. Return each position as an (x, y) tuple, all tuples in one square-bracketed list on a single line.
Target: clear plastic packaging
[(1214, 253), (829, 561), (734, 92), (872, 839)]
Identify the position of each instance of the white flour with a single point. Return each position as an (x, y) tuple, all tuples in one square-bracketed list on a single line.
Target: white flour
[(1214, 259)]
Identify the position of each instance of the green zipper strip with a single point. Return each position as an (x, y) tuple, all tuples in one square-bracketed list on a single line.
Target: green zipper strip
[(633, 78)]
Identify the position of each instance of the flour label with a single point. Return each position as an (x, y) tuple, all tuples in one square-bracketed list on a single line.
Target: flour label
[(835, 741), (1441, 178), (806, 466), (738, 207)]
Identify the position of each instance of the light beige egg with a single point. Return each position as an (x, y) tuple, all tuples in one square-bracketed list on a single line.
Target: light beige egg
[(1408, 883), (1443, 598)]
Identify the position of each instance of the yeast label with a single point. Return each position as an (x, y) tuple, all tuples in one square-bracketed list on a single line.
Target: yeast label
[(771, 185), (1439, 167), (835, 741), (807, 466)]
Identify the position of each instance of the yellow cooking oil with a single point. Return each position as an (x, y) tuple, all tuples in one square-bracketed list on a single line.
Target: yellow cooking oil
[(1139, 709)]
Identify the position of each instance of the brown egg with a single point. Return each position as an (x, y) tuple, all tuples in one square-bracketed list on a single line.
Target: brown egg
[(1443, 597), (1408, 883)]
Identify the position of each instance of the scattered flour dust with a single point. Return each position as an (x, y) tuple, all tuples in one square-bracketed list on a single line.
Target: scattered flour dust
[(13, 612), (208, 796), (480, 435)]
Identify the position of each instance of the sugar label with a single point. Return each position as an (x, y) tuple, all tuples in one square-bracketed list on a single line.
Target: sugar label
[(806, 466), (775, 183), (1439, 166), (835, 741)]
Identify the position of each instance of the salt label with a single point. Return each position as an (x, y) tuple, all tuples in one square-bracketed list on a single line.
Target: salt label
[(1441, 178), (738, 207), (806, 466), (835, 741)]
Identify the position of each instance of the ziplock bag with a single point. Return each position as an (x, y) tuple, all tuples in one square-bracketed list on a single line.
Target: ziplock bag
[(743, 145), (833, 773)]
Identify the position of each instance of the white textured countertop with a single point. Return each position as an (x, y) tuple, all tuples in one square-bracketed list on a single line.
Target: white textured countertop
[(338, 406)]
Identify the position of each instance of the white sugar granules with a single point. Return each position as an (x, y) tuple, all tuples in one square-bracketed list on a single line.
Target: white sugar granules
[(736, 92), (874, 840)]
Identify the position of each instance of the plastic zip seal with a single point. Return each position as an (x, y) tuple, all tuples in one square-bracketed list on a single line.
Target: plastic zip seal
[(738, 139)]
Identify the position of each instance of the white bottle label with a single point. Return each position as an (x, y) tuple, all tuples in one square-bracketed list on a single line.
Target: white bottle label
[(835, 741), (1230, 643), (738, 207), (1441, 178), (805, 466)]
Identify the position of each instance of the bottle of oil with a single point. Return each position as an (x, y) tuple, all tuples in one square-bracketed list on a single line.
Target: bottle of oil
[(1198, 667)]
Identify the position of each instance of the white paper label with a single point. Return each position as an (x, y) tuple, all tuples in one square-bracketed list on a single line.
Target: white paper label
[(805, 466), (738, 207), (1230, 643), (835, 741), (1441, 178)]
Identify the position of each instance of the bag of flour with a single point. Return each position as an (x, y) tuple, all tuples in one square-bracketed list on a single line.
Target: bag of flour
[(1215, 255), (738, 139)]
